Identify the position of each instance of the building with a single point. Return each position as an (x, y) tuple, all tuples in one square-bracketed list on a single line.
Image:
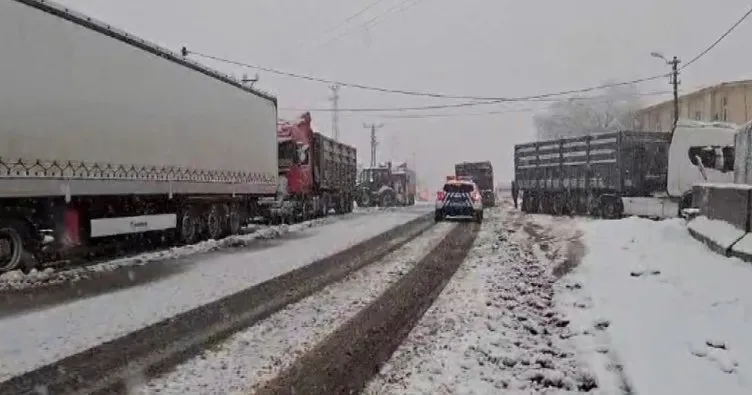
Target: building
[(728, 102)]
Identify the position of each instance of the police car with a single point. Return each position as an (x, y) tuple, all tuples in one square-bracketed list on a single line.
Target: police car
[(460, 197)]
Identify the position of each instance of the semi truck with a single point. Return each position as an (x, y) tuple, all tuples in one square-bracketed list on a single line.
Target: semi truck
[(103, 134), (317, 174), (386, 186), (647, 174), (482, 174)]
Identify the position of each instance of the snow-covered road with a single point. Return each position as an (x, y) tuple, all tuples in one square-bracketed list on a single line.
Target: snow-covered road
[(37, 338), (261, 352), (679, 315), (492, 330)]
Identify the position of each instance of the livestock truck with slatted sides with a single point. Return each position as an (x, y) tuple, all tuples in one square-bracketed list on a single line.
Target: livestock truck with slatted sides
[(104, 135), (647, 174)]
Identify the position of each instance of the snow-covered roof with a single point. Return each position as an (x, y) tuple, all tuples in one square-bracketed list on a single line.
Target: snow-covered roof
[(691, 123)]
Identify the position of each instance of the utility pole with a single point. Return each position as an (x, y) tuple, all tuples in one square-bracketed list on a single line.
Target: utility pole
[(675, 82), (335, 110), (374, 142)]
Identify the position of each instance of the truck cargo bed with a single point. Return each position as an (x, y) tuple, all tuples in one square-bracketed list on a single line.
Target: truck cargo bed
[(335, 168), (625, 163)]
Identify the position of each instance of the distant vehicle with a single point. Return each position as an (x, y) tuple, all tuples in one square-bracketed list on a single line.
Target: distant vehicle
[(459, 198), (386, 186), (482, 174)]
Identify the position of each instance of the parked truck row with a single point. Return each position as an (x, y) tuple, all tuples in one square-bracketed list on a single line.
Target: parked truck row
[(104, 135), (623, 173)]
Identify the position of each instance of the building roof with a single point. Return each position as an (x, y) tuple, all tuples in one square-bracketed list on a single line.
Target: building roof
[(696, 93)]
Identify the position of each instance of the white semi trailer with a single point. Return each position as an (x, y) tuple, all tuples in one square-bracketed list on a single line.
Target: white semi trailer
[(103, 134)]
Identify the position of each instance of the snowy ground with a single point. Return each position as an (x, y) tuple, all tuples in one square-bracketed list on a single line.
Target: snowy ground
[(17, 280), (258, 354), (494, 328), (678, 316), (36, 338)]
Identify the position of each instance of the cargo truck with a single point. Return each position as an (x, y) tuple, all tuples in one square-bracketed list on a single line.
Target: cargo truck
[(317, 174), (482, 174), (404, 181), (386, 185), (103, 135), (647, 174)]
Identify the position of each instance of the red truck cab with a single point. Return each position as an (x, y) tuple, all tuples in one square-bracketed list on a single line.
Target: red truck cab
[(316, 173)]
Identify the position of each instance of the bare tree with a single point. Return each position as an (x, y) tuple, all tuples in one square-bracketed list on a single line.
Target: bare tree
[(611, 111)]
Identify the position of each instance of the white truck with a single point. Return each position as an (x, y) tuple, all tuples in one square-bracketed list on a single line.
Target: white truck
[(699, 152), (103, 134)]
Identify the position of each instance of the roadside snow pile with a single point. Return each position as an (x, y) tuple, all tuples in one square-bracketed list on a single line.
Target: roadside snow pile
[(493, 329), (17, 280), (677, 313)]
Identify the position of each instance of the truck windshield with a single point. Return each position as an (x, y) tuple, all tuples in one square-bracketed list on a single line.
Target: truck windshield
[(286, 153)]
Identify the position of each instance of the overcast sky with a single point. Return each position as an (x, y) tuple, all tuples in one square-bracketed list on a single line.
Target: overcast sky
[(470, 47)]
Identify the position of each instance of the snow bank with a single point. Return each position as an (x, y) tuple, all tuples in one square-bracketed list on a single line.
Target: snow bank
[(18, 280), (675, 314), (721, 235), (37, 338)]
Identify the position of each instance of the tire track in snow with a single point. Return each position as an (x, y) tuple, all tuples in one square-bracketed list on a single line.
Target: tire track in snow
[(250, 358)]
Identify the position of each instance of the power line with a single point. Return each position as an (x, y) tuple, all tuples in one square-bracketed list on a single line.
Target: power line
[(348, 19), (418, 93), (716, 42), (450, 115), (399, 7), (459, 105)]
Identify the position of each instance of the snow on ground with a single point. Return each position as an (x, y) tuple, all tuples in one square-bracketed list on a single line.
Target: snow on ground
[(18, 280), (492, 330), (677, 316), (36, 338), (258, 354)]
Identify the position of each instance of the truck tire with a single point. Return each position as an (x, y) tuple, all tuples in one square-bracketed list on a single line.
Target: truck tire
[(214, 222), (438, 216), (557, 204), (188, 226), (11, 245), (234, 222), (684, 202), (611, 207)]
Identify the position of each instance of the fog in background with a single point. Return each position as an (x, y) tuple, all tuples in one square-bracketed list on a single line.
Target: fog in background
[(471, 47)]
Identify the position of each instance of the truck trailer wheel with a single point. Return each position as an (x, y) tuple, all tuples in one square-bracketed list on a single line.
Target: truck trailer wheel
[(214, 222), (188, 227), (233, 220), (11, 245)]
